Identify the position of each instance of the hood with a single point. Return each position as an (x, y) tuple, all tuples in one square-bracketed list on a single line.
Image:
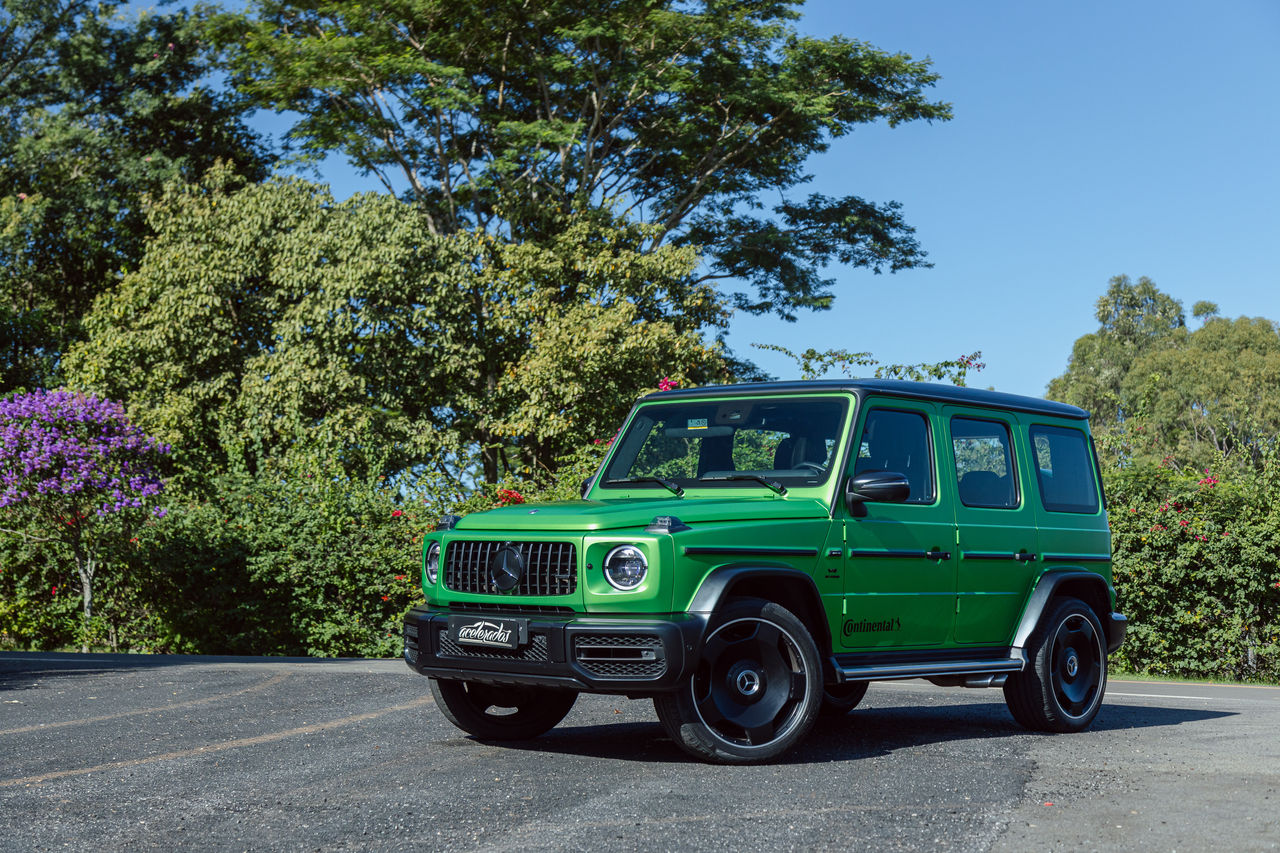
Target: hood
[(610, 515)]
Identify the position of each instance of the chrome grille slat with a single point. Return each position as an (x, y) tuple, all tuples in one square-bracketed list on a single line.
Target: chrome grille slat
[(551, 568)]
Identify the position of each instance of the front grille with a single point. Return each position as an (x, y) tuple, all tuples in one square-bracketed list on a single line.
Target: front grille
[(550, 568), (620, 655), (536, 650)]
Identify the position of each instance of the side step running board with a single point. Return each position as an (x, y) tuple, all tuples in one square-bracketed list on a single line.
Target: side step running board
[(925, 669)]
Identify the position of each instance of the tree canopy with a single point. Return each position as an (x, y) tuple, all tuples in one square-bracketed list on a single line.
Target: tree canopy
[(267, 319), (514, 117), (1175, 393), (96, 112)]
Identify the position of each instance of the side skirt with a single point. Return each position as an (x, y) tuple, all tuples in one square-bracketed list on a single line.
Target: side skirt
[(984, 667)]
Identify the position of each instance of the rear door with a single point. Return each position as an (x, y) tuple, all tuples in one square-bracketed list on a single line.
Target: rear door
[(987, 472), (899, 572)]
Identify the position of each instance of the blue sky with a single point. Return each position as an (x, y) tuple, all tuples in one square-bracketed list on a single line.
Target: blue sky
[(1090, 139)]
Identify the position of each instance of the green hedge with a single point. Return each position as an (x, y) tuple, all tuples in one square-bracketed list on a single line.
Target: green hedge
[(284, 565), (1197, 570)]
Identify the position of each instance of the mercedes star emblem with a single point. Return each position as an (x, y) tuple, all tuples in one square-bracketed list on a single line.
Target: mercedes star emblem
[(505, 568)]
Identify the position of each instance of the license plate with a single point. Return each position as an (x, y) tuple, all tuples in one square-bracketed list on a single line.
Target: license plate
[(489, 631)]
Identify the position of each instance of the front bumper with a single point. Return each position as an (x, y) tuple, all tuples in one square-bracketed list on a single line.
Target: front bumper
[(631, 655)]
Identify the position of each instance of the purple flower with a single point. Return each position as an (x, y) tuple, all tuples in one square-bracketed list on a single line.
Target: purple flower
[(64, 444)]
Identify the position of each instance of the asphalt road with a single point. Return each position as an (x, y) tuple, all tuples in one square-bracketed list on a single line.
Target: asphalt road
[(114, 752)]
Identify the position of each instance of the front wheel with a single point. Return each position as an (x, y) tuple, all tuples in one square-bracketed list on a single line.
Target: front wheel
[(1062, 691), (757, 689), (501, 713)]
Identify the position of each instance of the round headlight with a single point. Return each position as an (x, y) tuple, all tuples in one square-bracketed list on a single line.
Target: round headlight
[(433, 562), (625, 567)]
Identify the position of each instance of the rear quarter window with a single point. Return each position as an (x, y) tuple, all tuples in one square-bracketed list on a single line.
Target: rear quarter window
[(1064, 470)]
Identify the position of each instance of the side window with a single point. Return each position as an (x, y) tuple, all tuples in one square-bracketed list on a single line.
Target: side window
[(894, 440), (1064, 470), (984, 463)]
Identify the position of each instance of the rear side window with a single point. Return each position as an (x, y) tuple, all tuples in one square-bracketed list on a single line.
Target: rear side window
[(898, 441), (984, 463), (1064, 470)]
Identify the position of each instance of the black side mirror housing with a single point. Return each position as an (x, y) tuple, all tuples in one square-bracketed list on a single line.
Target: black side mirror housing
[(877, 487), (585, 487)]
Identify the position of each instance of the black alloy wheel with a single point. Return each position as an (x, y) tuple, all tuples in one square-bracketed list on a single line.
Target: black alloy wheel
[(839, 699), (501, 713), (757, 689), (1062, 689)]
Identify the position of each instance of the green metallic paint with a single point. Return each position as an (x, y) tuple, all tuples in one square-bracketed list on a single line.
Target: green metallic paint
[(861, 578)]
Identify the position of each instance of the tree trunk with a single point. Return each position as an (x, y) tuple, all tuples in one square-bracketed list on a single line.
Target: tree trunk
[(86, 565)]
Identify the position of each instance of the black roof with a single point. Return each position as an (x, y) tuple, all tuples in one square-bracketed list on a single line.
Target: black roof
[(888, 387)]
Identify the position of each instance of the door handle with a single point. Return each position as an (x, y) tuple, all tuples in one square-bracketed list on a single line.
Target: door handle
[(1024, 557), (938, 555)]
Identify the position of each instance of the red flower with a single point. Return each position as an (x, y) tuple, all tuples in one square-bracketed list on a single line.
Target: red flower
[(666, 383), (508, 496), (396, 513), (386, 598), (55, 591), (1183, 521), (399, 577)]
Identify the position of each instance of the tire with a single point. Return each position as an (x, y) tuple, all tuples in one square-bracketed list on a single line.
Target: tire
[(757, 689), (839, 699), (1063, 688), (501, 713)]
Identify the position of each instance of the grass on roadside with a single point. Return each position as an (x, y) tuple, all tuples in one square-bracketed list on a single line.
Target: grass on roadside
[(1115, 674)]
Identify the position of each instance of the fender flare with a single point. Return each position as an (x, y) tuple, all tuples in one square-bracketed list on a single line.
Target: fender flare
[(1102, 594), (720, 583)]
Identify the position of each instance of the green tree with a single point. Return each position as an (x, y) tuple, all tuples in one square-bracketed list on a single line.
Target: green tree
[(268, 320), (1163, 391), (96, 112), (1132, 318), (514, 118), (1209, 392), (815, 363)]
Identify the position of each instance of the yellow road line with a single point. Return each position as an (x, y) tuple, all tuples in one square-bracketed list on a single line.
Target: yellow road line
[(217, 747), (276, 679)]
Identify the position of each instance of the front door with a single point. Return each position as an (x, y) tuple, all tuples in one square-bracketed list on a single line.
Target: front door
[(900, 568)]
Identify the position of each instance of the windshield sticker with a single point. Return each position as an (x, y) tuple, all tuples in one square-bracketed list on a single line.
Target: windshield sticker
[(697, 423)]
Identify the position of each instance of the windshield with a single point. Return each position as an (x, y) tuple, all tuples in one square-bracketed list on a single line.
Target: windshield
[(791, 441)]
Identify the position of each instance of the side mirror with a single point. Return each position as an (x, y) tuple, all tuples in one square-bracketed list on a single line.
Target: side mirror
[(585, 487), (875, 486)]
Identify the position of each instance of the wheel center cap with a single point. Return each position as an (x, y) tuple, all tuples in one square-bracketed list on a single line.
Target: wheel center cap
[(747, 680), (1073, 666)]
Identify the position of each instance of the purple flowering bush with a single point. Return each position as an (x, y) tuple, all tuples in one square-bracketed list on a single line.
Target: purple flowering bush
[(75, 474)]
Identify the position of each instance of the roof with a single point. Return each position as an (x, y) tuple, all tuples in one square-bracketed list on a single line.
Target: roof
[(887, 387)]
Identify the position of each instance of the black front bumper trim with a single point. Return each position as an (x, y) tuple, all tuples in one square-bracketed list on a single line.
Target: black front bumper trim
[(629, 655)]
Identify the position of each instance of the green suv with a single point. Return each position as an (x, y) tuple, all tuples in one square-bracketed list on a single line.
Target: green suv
[(751, 556)]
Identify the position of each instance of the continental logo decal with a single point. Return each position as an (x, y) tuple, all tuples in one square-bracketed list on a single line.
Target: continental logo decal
[(868, 626)]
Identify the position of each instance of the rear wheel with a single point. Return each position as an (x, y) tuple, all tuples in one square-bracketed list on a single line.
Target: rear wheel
[(1062, 690), (501, 713), (757, 689)]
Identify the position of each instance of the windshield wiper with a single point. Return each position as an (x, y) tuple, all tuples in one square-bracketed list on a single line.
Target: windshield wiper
[(777, 487), (661, 481)]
